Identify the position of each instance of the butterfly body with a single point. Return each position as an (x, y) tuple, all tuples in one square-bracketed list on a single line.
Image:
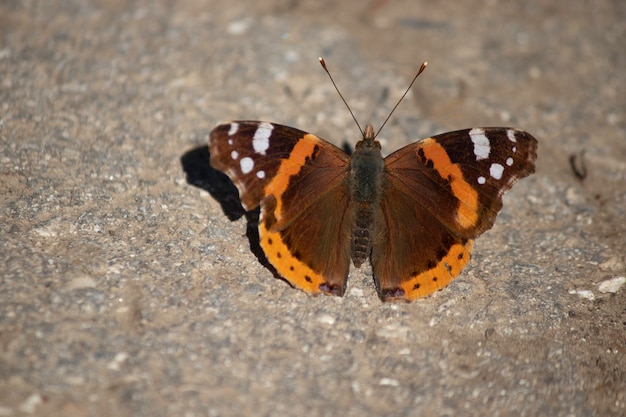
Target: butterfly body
[(413, 214), (366, 181)]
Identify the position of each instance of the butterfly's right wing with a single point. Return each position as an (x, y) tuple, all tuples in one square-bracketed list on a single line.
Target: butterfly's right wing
[(440, 194), (299, 180)]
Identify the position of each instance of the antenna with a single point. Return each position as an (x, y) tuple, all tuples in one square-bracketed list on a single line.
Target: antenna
[(422, 68), (419, 71), (323, 64)]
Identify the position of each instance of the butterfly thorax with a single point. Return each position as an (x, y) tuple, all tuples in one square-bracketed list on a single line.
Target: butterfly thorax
[(366, 169)]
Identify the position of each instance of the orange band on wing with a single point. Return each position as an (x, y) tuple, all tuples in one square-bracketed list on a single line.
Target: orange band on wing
[(288, 266), (440, 275), (289, 167), (467, 214)]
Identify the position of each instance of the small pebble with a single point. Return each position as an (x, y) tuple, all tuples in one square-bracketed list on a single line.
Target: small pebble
[(583, 294), (326, 319), (614, 264), (611, 285)]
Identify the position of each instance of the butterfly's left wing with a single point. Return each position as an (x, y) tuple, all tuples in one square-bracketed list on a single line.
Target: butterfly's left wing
[(438, 195), (300, 182)]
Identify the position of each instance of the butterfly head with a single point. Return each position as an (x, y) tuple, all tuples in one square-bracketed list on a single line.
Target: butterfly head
[(369, 141)]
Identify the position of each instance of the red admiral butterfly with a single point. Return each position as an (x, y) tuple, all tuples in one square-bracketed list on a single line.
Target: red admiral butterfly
[(413, 214)]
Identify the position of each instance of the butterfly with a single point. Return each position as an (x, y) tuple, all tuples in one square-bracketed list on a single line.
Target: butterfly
[(413, 215)]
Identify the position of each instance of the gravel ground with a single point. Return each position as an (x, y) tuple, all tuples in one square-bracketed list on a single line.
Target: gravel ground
[(127, 289)]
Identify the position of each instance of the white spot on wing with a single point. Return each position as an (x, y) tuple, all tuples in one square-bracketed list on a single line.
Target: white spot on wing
[(260, 174), (246, 164), (509, 161), (514, 149), (496, 170), (261, 139), (234, 155), (234, 127), (230, 142), (481, 143), (481, 180), (511, 135)]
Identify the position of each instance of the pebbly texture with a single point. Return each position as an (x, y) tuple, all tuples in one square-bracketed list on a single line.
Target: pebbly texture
[(125, 290)]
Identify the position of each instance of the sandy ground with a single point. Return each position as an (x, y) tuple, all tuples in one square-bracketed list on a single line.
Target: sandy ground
[(126, 290)]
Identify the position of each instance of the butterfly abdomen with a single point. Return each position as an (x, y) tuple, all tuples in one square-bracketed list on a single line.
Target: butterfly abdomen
[(366, 169), (361, 239)]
